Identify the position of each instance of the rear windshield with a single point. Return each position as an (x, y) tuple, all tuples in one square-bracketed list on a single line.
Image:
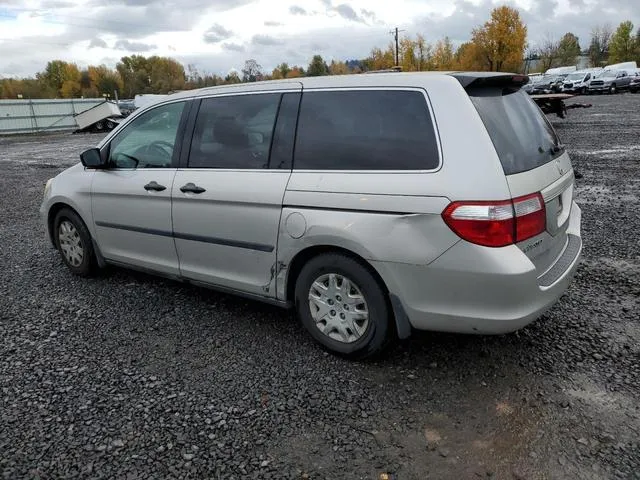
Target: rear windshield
[(523, 137)]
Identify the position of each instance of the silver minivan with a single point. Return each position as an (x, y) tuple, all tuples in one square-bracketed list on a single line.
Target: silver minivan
[(372, 204)]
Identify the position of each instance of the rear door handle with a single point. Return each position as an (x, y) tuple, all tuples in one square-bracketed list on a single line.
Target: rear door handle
[(191, 188), (155, 186)]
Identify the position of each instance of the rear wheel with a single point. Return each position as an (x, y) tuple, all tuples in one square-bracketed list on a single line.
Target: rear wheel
[(111, 125), (73, 241), (343, 306)]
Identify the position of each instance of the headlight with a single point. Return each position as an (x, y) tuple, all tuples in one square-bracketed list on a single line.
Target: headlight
[(47, 187)]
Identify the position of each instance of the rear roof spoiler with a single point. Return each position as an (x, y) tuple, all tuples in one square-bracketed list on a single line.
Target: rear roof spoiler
[(490, 79)]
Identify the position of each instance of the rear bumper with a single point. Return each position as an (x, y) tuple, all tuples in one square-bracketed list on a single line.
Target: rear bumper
[(474, 289)]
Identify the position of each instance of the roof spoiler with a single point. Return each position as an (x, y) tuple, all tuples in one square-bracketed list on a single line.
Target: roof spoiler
[(486, 79)]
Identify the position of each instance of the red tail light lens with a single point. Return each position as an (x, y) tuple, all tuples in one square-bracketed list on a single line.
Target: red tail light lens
[(499, 223)]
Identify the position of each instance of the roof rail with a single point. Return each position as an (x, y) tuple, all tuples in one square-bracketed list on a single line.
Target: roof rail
[(386, 70)]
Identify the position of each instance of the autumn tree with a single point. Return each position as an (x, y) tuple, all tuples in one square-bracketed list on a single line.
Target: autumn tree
[(380, 60), (443, 55), (468, 57), (104, 80), (61, 77), (317, 67), (296, 72), (338, 68), (135, 73), (622, 47), (501, 41), (599, 45), (408, 58)]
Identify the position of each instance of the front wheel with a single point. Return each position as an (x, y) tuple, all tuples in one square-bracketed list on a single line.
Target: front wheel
[(613, 89), (583, 90), (343, 306), (74, 243)]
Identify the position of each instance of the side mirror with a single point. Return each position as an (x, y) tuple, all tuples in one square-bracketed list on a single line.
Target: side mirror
[(91, 158)]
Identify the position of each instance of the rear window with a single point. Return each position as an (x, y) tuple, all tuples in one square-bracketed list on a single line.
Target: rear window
[(523, 137), (365, 130)]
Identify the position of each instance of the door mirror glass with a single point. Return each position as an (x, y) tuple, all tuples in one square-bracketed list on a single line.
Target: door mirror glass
[(91, 158)]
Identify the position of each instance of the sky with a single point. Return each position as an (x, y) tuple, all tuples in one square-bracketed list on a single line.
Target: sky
[(217, 36)]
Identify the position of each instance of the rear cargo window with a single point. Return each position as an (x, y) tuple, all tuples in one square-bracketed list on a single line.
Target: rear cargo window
[(365, 130), (523, 137)]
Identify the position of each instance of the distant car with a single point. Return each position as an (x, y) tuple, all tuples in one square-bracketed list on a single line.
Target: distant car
[(634, 85), (350, 198), (577, 82), (548, 84), (610, 81)]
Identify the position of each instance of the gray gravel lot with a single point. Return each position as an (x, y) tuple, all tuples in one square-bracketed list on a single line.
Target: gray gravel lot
[(130, 376)]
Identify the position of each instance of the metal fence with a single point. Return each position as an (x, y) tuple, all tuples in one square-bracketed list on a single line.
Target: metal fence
[(32, 116)]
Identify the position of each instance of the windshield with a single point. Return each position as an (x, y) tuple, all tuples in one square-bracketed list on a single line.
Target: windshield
[(575, 76), (523, 137), (607, 74)]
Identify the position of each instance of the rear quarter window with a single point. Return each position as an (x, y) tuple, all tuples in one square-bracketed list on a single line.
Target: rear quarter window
[(521, 134), (365, 130)]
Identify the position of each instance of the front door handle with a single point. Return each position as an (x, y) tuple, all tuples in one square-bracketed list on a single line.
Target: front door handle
[(155, 186), (191, 188)]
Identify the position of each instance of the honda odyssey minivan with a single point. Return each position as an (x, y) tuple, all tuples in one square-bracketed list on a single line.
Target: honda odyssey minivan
[(372, 204)]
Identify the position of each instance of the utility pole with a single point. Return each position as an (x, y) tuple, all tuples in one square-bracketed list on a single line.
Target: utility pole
[(395, 35)]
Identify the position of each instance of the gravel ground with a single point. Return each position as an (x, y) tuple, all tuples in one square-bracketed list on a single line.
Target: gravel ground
[(130, 376)]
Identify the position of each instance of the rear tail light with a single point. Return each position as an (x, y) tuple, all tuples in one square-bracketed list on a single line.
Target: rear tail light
[(497, 224)]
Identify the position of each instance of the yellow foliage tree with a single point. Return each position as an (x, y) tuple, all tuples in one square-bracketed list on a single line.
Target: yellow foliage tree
[(443, 55), (338, 68), (501, 41)]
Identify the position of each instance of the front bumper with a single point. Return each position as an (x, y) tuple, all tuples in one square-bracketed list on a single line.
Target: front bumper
[(475, 289), (599, 88)]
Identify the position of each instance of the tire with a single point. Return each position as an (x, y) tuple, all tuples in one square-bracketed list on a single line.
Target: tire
[(359, 344), (111, 125), (73, 241), (99, 126), (583, 90), (613, 89)]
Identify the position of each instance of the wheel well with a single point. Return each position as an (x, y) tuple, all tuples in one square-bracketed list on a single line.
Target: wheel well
[(51, 217), (299, 261)]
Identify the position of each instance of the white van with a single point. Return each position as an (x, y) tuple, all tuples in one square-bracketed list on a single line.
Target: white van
[(578, 82), (561, 70)]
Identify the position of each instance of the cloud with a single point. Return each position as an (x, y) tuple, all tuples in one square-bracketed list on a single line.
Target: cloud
[(52, 4), (234, 47), (265, 40), (216, 33), (296, 10), (272, 23), (137, 47), (345, 11), (98, 43)]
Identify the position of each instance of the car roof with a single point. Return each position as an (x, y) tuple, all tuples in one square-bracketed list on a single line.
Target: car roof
[(352, 80)]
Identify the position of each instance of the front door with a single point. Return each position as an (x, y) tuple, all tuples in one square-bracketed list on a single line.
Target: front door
[(131, 199), (227, 200)]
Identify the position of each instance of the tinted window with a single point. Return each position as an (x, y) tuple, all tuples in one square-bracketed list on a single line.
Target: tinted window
[(148, 141), (234, 132), (521, 134), (285, 132), (365, 130)]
